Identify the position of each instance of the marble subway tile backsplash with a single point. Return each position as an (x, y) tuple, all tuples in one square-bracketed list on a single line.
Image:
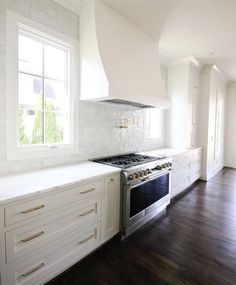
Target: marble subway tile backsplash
[(100, 132), (99, 135)]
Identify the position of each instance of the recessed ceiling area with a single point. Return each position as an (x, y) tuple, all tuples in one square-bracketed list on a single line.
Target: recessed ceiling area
[(204, 28)]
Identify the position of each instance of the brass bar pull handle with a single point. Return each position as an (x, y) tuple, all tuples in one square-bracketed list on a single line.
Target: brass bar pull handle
[(87, 213), (33, 270), (87, 191), (86, 239), (33, 236), (33, 209)]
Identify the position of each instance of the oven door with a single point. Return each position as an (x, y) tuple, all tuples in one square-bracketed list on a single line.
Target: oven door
[(141, 199)]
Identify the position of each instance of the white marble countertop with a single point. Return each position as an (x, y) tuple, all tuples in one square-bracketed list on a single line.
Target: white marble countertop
[(25, 185), (28, 184), (169, 152)]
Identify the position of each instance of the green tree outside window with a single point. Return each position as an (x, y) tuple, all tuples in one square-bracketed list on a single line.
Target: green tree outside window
[(53, 133)]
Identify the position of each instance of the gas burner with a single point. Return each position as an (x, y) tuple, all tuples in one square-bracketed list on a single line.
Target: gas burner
[(127, 160)]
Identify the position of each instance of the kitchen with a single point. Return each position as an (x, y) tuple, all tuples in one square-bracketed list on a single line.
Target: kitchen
[(79, 137)]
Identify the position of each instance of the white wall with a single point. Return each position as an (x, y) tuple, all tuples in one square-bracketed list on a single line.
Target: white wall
[(230, 127), (98, 132)]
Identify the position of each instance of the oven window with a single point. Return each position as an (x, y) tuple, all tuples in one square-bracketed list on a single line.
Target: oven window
[(148, 193)]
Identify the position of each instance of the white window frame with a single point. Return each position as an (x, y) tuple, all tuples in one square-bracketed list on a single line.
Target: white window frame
[(14, 151)]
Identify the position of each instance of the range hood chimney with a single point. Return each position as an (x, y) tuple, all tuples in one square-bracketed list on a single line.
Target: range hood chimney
[(119, 62)]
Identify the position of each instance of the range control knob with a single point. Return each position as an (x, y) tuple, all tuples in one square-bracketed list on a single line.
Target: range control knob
[(136, 175), (159, 167), (149, 171), (131, 177), (140, 174), (163, 166), (145, 172)]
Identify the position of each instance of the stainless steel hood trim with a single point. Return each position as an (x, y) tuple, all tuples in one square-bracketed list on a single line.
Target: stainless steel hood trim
[(129, 103)]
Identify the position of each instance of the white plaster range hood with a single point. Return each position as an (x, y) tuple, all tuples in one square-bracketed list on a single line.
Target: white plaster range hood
[(119, 62)]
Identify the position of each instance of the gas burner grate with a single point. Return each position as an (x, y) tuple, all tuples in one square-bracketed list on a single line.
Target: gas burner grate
[(127, 160)]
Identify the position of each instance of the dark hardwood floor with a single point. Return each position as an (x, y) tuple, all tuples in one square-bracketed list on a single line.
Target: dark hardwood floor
[(193, 243)]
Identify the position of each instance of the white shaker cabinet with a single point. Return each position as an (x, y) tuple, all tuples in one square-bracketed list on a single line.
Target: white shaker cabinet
[(212, 97), (193, 104), (186, 169), (183, 89), (40, 237), (111, 207)]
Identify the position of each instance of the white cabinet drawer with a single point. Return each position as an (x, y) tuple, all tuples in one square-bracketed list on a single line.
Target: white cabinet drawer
[(39, 268), (33, 236), (26, 210)]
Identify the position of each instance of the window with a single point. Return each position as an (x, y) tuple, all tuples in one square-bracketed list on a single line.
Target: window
[(41, 107), (154, 123), (43, 97)]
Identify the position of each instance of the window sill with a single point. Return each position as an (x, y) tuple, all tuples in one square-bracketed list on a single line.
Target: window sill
[(23, 153)]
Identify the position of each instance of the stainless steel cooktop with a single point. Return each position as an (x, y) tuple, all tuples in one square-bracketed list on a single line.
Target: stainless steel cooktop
[(127, 160)]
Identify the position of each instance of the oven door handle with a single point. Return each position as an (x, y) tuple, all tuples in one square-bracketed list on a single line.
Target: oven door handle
[(148, 179)]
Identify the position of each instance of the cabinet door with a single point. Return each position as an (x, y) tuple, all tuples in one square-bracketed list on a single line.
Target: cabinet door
[(111, 204), (186, 170), (218, 126), (192, 106), (195, 165), (179, 174)]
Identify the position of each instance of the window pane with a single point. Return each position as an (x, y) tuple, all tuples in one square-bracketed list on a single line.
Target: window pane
[(43, 103), (30, 55), (30, 91), (55, 96), (55, 63), (30, 127), (154, 123), (54, 127)]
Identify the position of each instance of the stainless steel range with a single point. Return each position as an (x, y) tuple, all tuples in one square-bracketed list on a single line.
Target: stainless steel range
[(145, 187)]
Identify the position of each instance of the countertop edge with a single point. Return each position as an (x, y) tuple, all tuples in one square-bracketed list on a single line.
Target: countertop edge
[(55, 189)]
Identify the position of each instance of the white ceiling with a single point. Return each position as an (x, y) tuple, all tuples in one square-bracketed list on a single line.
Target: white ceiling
[(185, 27)]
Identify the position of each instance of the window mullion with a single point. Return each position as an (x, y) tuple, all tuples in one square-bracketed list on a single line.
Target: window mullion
[(42, 76)]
